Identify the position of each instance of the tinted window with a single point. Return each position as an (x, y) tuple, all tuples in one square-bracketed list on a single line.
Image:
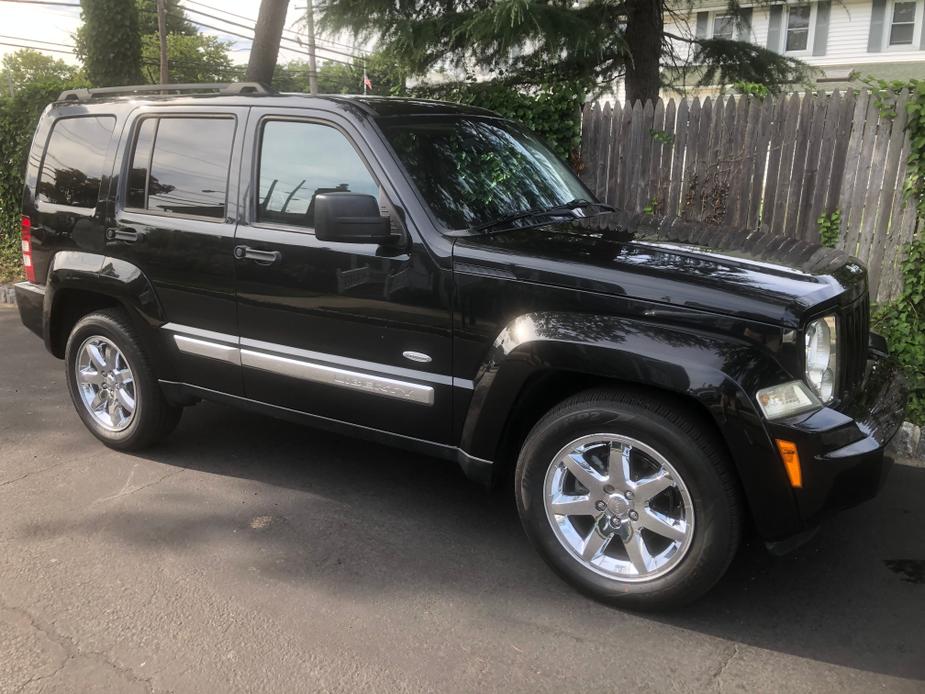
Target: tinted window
[(186, 170), (73, 165), (472, 171), (300, 160), (141, 164)]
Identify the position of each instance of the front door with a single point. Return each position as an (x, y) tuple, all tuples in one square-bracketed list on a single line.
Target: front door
[(354, 332)]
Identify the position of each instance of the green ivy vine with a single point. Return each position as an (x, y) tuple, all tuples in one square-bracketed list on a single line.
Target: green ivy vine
[(829, 226), (901, 320)]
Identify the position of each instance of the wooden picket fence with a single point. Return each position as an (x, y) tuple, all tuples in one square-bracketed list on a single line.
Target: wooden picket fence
[(774, 165)]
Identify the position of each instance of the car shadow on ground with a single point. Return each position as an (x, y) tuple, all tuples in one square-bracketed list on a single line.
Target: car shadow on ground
[(424, 527)]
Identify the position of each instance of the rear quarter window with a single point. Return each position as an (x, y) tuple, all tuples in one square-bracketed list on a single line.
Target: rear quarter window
[(72, 168)]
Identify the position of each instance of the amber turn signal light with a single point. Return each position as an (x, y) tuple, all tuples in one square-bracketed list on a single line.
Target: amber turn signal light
[(791, 459)]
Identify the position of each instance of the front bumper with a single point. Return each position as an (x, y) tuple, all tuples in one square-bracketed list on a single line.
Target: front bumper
[(843, 452)]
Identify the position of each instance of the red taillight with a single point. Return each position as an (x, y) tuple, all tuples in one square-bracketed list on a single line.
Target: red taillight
[(25, 231)]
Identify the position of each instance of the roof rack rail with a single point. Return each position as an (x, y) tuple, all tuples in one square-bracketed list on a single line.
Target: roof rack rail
[(228, 88)]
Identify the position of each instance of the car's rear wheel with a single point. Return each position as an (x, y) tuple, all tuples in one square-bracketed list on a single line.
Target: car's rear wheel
[(630, 498), (112, 384)]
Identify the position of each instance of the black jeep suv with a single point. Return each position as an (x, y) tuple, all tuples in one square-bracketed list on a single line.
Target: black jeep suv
[(431, 276)]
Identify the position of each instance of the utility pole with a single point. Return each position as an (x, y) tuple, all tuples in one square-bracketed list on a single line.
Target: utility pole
[(162, 33), (312, 65), (267, 33)]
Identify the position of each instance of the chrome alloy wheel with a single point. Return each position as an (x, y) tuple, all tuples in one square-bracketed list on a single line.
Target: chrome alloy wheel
[(105, 383), (619, 507)]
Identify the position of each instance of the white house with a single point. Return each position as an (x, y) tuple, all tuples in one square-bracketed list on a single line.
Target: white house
[(884, 38)]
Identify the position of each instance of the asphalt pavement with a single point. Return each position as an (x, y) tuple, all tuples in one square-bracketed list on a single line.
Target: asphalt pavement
[(249, 554)]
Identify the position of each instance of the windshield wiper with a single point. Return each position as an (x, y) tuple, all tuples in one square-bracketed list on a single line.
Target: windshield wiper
[(563, 209)]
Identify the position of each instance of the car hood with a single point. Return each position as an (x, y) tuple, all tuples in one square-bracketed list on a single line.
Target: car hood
[(758, 276)]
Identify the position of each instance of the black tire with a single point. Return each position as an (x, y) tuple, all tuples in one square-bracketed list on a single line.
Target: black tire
[(154, 418), (697, 456)]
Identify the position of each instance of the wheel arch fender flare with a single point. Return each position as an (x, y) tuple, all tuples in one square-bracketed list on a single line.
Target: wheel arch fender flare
[(114, 278), (716, 371)]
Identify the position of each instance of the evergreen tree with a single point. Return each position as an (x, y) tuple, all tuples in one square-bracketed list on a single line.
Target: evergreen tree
[(536, 41), (109, 42)]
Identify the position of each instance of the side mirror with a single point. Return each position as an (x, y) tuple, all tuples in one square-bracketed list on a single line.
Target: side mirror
[(351, 218)]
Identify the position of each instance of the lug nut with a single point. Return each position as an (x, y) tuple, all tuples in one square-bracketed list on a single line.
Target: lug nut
[(615, 522), (634, 515), (608, 489), (628, 495), (600, 505)]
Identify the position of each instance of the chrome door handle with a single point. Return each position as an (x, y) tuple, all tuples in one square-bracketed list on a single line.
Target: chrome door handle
[(248, 253)]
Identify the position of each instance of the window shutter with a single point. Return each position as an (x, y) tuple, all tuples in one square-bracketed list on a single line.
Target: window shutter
[(875, 40), (703, 18), (821, 38), (745, 31), (775, 17)]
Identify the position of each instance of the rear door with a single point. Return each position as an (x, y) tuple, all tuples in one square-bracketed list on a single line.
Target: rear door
[(356, 332), (175, 219)]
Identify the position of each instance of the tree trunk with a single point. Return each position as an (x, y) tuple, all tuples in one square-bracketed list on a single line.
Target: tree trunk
[(645, 25), (267, 34)]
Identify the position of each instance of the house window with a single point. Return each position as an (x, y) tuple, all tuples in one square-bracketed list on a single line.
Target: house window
[(723, 25), (902, 26), (798, 23)]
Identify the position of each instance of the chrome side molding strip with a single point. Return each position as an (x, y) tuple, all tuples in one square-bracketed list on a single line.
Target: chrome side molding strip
[(204, 348), (307, 366), (199, 332), (353, 380), (345, 362)]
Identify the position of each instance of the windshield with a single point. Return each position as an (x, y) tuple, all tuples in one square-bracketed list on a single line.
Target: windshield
[(474, 171)]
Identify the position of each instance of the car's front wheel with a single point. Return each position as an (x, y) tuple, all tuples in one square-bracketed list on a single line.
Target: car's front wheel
[(630, 498), (112, 384)]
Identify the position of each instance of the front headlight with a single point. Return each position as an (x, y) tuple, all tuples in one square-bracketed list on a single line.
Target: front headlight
[(822, 357)]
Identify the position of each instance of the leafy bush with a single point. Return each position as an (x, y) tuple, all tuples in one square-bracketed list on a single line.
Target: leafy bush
[(19, 115), (901, 321)]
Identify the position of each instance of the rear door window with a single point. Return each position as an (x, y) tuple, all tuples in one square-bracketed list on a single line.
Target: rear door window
[(73, 165), (180, 166)]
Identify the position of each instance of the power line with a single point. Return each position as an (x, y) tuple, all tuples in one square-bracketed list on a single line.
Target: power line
[(251, 28), (222, 30), (23, 38), (251, 38), (252, 21), (42, 2), (35, 48)]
